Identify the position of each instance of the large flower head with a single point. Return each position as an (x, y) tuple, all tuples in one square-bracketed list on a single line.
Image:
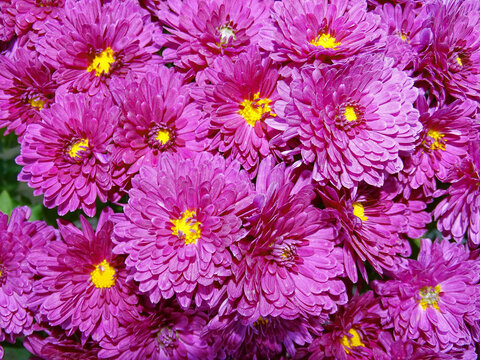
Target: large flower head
[(180, 220), (240, 96), (92, 43), (31, 14), (198, 31), (159, 117), (313, 29), (17, 238), (433, 300), (7, 20), (64, 156), (170, 333), (288, 265), (26, 88), (353, 122), (458, 214), (82, 283)]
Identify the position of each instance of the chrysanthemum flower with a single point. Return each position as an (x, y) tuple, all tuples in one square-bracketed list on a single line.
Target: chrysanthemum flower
[(32, 13), (198, 31), (352, 122), (159, 116), (321, 29), (167, 334), (434, 298), (411, 350), (288, 265), (447, 131), (64, 156), (355, 332), (458, 213), (82, 283), (17, 238), (239, 96), (180, 220), (26, 88), (93, 43), (7, 20), (371, 224)]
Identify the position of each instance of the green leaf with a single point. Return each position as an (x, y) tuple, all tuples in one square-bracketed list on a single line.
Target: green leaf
[(6, 203)]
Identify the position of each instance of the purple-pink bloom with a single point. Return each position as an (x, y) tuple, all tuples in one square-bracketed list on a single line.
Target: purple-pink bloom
[(181, 218), (352, 122), (82, 284), (7, 20), (64, 156), (31, 14), (433, 299), (26, 88), (91, 43)]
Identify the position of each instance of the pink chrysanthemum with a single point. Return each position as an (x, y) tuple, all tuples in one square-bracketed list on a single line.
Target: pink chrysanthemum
[(458, 214), (17, 238), (355, 333), (64, 156), (288, 265), (7, 20), (159, 116), (198, 31), (167, 334), (433, 300), (33, 13), (26, 88), (181, 218), (92, 43), (239, 96), (82, 284), (353, 122), (321, 29)]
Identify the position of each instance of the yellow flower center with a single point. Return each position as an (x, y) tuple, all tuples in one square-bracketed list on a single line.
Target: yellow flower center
[(359, 211), (77, 147), (102, 62), (37, 103), (226, 33), (260, 321), (350, 113), (353, 341), (187, 227), (163, 136), (103, 276), (459, 61), (438, 141), (429, 297), (254, 110), (326, 41)]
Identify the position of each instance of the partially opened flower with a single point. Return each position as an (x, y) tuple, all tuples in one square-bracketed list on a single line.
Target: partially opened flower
[(91, 43), (352, 122), (181, 218), (433, 300), (82, 283), (26, 88), (64, 156)]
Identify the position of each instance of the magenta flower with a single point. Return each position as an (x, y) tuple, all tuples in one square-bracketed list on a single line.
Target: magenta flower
[(17, 238), (352, 123), (82, 284), (181, 218), (433, 300), (26, 88), (288, 265), (7, 20), (158, 117), (169, 333), (239, 97), (92, 43), (458, 214), (320, 29), (64, 156), (31, 14), (198, 31)]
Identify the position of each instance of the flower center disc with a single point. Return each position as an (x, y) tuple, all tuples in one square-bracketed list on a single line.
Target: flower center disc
[(326, 41), (349, 342), (429, 297), (254, 110), (102, 62), (359, 211), (187, 227), (75, 149), (103, 276)]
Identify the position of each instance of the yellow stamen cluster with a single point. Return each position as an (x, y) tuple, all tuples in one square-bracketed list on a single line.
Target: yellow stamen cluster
[(76, 148), (350, 113), (163, 136), (187, 227), (326, 41), (438, 141), (102, 62), (37, 103), (254, 110), (359, 211), (260, 321), (459, 61), (226, 33), (103, 276), (429, 297), (353, 341)]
